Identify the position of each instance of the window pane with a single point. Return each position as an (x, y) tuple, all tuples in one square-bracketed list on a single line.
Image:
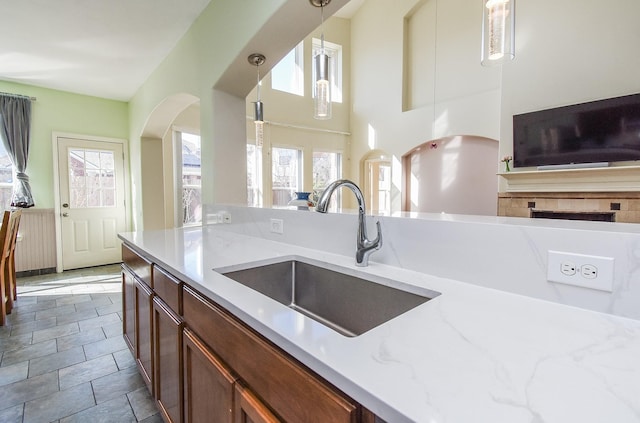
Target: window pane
[(286, 171), (327, 167), (191, 179), (6, 178), (90, 172), (288, 74)]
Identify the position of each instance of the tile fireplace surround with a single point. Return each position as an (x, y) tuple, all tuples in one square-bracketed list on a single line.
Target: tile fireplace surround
[(625, 206)]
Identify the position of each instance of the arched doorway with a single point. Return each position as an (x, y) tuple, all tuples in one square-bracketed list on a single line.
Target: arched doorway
[(157, 158)]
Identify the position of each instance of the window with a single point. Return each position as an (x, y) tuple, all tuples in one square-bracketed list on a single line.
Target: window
[(189, 178), (91, 178), (286, 173), (334, 51), (6, 178), (254, 176), (288, 74), (327, 167)]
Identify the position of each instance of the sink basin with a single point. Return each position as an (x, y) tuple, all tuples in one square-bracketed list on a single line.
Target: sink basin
[(350, 305)]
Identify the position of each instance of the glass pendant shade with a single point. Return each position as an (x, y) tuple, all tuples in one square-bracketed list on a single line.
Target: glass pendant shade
[(322, 88), (259, 121), (498, 31)]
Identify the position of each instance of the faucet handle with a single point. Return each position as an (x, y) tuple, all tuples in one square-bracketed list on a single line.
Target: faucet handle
[(378, 241)]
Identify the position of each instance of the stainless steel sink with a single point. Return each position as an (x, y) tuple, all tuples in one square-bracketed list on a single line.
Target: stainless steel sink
[(348, 304)]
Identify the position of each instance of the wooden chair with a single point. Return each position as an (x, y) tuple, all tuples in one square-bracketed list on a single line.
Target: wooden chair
[(8, 235), (17, 214)]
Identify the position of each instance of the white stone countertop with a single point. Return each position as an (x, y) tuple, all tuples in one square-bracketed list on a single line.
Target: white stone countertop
[(471, 354)]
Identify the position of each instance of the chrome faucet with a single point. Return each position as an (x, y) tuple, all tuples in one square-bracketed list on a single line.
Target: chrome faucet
[(364, 246)]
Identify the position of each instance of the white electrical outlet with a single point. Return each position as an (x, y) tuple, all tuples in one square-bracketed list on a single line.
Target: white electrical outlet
[(593, 272), (276, 226)]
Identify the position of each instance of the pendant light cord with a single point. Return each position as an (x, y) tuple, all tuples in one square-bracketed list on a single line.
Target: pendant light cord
[(322, 28)]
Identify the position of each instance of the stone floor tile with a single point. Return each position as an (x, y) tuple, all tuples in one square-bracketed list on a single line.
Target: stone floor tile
[(56, 361), (107, 346), (116, 410), (55, 311), (156, 418), (28, 389), (99, 318), (97, 300), (142, 403), (80, 338), (124, 359), (110, 308), (77, 316), (29, 352), (14, 373), (24, 300), (59, 404), (73, 299), (116, 384), (15, 342), (55, 332), (5, 331), (114, 329), (22, 328), (43, 304), (87, 371), (100, 321), (17, 316), (12, 414)]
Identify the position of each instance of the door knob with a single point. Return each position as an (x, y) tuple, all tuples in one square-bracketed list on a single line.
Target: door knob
[(65, 214), (65, 205)]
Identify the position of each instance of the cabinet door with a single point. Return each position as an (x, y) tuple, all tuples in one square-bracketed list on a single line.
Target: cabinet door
[(292, 392), (128, 309), (208, 385), (144, 344), (168, 360), (249, 409)]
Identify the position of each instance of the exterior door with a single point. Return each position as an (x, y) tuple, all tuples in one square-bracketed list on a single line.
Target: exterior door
[(92, 201)]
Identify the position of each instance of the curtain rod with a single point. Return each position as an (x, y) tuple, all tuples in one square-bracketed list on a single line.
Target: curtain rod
[(18, 96)]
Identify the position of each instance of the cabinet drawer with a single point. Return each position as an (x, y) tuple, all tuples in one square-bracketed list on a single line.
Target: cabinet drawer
[(291, 391), (168, 288), (138, 264)]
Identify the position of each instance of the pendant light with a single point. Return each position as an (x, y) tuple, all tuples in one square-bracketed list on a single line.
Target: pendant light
[(322, 86), (257, 59), (498, 31)]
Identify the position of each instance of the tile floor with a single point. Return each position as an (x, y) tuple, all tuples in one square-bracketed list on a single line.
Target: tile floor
[(63, 358)]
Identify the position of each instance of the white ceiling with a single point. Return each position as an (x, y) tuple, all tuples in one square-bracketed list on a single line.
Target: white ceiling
[(103, 48)]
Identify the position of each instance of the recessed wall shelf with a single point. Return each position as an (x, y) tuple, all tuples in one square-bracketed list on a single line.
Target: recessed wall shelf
[(604, 179)]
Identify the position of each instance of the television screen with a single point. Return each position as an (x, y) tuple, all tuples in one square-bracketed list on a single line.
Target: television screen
[(598, 131)]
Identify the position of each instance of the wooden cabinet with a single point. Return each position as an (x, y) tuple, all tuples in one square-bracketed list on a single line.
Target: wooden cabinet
[(128, 309), (168, 360), (143, 326), (208, 384), (202, 364), (291, 391), (249, 409), (137, 297)]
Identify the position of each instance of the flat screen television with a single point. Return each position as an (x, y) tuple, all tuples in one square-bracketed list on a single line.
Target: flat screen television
[(594, 132)]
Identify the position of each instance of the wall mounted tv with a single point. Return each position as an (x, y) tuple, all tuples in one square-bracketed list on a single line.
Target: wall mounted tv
[(593, 133)]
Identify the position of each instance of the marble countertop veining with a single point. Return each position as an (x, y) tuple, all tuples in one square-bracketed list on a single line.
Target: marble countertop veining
[(471, 354)]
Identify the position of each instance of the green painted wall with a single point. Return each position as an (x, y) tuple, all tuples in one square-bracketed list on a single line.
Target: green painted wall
[(59, 111)]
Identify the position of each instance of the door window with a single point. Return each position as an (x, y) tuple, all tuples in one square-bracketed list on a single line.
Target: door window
[(91, 178)]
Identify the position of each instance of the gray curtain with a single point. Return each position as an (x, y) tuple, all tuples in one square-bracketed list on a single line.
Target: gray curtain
[(15, 123)]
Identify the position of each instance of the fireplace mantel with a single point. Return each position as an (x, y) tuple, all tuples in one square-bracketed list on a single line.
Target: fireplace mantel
[(603, 179)]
